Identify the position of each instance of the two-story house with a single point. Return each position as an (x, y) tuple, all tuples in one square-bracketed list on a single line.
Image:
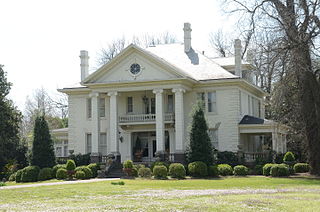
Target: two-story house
[(139, 104)]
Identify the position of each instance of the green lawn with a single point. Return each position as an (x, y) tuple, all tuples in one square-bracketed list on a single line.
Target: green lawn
[(224, 194)]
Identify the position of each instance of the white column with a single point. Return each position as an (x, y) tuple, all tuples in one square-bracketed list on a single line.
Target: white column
[(274, 141), (172, 141), (114, 134), (159, 120), (95, 123), (285, 143), (179, 119)]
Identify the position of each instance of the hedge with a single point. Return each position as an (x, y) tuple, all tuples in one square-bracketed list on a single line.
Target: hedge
[(45, 174), (160, 172), (30, 174), (301, 168), (62, 174), (198, 169), (240, 170), (225, 169), (213, 171), (177, 170)]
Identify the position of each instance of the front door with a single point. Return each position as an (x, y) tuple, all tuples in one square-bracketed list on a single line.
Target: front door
[(149, 149)]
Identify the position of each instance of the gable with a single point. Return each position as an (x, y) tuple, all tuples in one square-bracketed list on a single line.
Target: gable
[(118, 69)]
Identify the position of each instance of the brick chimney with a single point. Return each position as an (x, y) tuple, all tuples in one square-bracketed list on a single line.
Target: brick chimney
[(237, 57)]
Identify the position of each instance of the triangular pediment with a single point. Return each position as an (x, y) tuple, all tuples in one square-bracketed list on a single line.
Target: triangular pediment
[(119, 68)]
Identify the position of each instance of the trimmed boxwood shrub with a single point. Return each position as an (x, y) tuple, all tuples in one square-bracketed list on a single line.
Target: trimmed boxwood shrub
[(225, 169), (213, 171), (134, 172), (56, 167), (128, 164), (18, 176), (61, 174), (160, 172), (177, 170), (301, 167), (86, 170), (94, 168), (145, 172), (30, 174), (258, 169), (266, 169), (80, 175), (198, 169), (279, 170), (70, 165), (289, 158), (139, 166), (45, 174), (240, 170), (159, 163), (81, 160)]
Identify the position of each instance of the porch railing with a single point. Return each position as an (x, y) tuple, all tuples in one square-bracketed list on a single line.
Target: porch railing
[(168, 117), (252, 156)]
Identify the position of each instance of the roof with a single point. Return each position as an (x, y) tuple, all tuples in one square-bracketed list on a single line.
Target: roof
[(193, 63), (228, 61), (254, 120)]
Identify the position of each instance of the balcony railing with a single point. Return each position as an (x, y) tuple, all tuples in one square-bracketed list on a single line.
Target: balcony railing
[(144, 118), (252, 156)]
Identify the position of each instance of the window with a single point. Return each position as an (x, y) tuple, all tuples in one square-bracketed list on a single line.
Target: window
[(103, 143), (88, 143), (213, 134), (201, 99), (102, 107), (58, 151), (89, 108), (153, 106), (170, 103), (130, 104), (212, 102)]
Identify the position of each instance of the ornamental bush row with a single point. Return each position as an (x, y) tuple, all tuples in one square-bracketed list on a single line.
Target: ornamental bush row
[(60, 171)]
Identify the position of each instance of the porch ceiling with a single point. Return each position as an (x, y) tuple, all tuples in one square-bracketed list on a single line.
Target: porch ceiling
[(262, 128)]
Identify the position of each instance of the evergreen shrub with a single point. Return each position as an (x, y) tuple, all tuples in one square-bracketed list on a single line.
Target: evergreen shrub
[(56, 167), (61, 174), (240, 170), (266, 169), (45, 174), (159, 163), (13, 177), (225, 169), (94, 168), (177, 170), (198, 169), (279, 170), (289, 158), (160, 172), (145, 172), (301, 167), (213, 171), (18, 176), (80, 175), (30, 174), (86, 170)]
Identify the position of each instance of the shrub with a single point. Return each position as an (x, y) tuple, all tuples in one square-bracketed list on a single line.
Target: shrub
[(159, 163), (128, 164), (266, 169), (117, 183), (289, 158), (45, 174), (56, 167), (160, 172), (279, 170), (18, 176), (227, 157), (145, 172), (213, 171), (198, 169), (94, 168), (86, 170), (70, 166), (139, 166), (278, 157), (80, 175), (177, 170), (301, 167), (12, 177), (30, 174), (2, 183), (225, 169), (81, 160), (240, 170), (62, 174)]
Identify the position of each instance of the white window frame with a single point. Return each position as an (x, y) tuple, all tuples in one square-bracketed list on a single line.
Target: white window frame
[(102, 107), (104, 144), (88, 144), (129, 105), (89, 108), (213, 102), (214, 134), (170, 107)]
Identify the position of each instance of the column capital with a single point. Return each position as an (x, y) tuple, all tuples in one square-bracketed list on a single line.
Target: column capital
[(112, 93), (178, 90), (157, 91), (93, 94)]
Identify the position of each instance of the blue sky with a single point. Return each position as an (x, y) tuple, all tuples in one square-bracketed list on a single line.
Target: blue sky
[(40, 40)]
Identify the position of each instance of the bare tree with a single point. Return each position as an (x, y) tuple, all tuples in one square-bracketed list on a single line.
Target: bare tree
[(116, 46), (221, 43), (297, 24)]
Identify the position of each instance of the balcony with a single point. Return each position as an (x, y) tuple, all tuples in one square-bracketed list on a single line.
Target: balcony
[(144, 119)]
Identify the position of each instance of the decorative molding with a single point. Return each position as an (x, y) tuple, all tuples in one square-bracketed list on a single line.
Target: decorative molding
[(112, 93), (157, 91), (178, 90), (93, 94)]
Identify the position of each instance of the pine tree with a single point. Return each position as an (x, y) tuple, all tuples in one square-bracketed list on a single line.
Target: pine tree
[(200, 148), (10, 118), (42, 148)]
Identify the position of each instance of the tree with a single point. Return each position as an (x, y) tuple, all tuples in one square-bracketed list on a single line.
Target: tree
[(10, 118), (116, 46), (297, 25), (42, 147), (200, 148)]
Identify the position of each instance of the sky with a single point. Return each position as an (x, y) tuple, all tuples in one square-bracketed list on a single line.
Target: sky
[(40, 40)]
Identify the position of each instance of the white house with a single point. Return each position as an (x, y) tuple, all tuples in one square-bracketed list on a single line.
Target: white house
[(139, 104)]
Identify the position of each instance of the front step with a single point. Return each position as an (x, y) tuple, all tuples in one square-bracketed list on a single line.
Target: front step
[(115, 173)]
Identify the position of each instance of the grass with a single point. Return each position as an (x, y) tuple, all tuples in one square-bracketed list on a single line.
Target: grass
[(169, 195)]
